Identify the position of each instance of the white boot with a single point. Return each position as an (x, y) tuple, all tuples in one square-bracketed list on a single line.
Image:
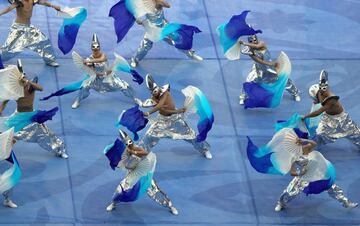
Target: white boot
[(173, 210), (76, 104), (207, 154), (53, 64), (133, 63), (350, 205), (9, 203), (62, 154), (242, 99), (111, 207), (194, 56), (297, 98), (278, 207)]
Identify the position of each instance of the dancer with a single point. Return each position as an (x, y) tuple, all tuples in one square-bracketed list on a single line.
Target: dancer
[(99, 76), (335, 123), (24, 35), (157, 19), (301, 169), (170, 122), (285, 153), (140, 165), (263, 70), (10, 177), (29, 123)]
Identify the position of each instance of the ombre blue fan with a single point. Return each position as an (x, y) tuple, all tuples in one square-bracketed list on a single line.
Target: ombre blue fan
[(180, 34), (120, 64), (133, 119), (125, 12), (320, 174), (20, 120), (268, 95), (277, 156), (11, 176), (73, 18), (196, 102), (231, 31), (90, 75)]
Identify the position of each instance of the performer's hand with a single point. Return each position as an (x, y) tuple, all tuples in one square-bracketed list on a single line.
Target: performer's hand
[(183, 110), (139, 22), (146, 114), (298, 142), (23, 81), (108, 72), (13, 141), (241, 42)]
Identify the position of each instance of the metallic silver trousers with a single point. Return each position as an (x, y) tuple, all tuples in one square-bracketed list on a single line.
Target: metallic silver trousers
[(23, 36), (109, 83), (154, 192), (266, 76), (147, 44), (174, 127), (296, 186), (333, 127), (40, 134)]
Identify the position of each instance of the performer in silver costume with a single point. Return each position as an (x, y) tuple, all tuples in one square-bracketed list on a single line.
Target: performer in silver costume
[(139, 163), (157, 19), (298, 184), (35, 132), (170, 122), (24, 35), (263, 69), (335, 123), (7, 201), (106, 80)]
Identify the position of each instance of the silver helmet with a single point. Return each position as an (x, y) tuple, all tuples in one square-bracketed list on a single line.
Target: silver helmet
[(95, 44), (252, 39), (323, 80), (125, 138), (19, 2), (313, 91), (152, 86)]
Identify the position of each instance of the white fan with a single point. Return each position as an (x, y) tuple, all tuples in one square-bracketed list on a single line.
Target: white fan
[(285, 149), (189, 103), (120, 63), (10, 87), (316, 168), (79, 62), (68, 12), (6, 139), (142, 7), (284, 64)]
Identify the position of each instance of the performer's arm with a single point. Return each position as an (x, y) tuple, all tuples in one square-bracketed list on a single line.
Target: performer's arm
[(48, 4), (294, 171), (140, 152), (101, 59), (171, 112), (163, 3), (261, 61), (35, 86), (259, 45), (8, 9), (309, 144), (159, 105), (317, 112), (3, 106)]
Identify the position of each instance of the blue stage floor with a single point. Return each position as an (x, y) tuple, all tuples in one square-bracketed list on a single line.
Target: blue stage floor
[(223, 191)]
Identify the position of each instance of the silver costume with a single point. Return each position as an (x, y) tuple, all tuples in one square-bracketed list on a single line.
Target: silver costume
[(261, 73), (173, 127), (27, 36), (333, 127), (40, 134), (103, 84), (156, 19), (138, 167), (297, 185)]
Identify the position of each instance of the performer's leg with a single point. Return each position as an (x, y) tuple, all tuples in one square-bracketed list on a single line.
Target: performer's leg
[(160, 197), (148, 141), (125, 88), (141, 52), (253, 75), (337, 193), (291, 88), (353, 131), (189, 53), (50, 142), (7, 201), (14, 44), (203, 147), (291, 191), (84, 92), (41, 44)]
